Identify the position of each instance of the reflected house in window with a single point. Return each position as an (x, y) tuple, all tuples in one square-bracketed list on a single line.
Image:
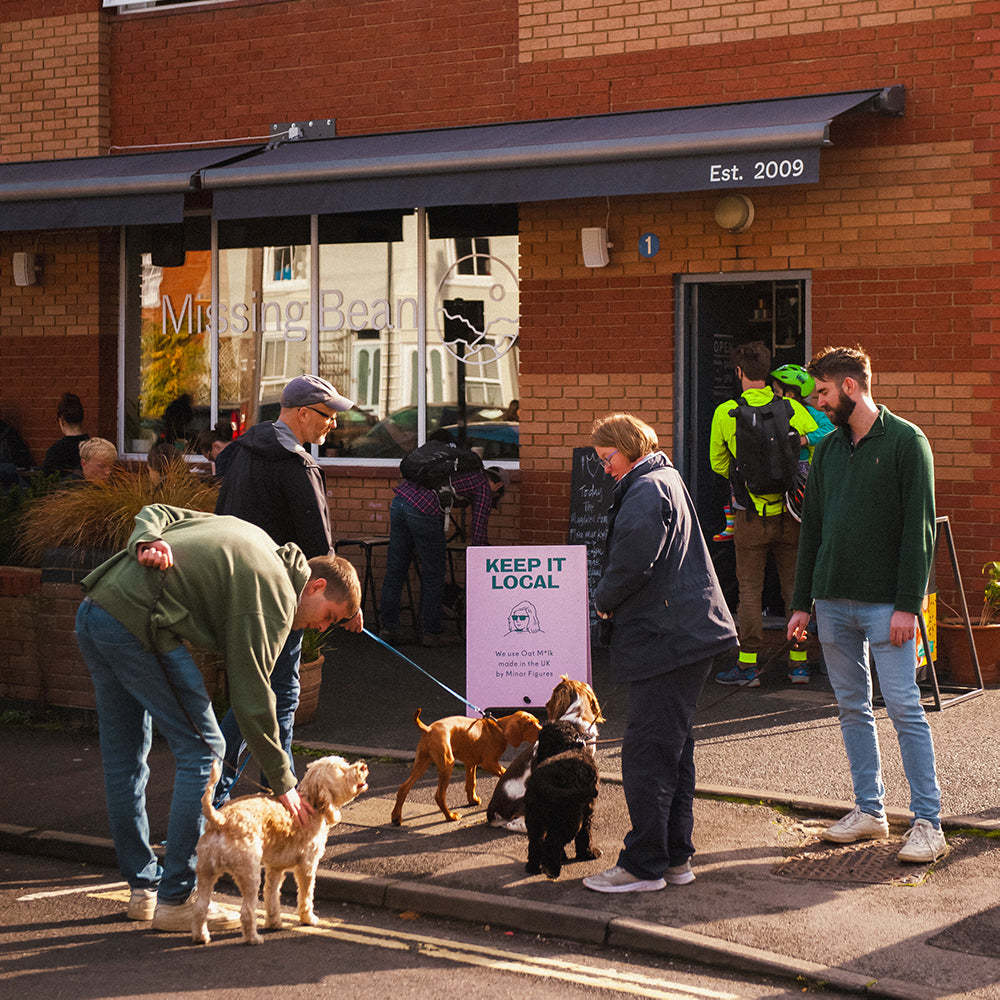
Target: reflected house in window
[(360, 317)]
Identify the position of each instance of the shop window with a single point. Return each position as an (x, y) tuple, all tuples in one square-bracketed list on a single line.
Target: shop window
[(345, 306)]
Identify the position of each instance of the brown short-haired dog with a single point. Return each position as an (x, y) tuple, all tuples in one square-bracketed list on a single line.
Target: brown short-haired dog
[(256, 830), (475, 742)]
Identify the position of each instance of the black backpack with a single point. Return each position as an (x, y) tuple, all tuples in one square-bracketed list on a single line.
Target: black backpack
[(767, 449), (433, 464)]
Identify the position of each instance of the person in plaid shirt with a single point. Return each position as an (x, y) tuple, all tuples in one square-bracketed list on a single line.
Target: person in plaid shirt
[(417, 524)]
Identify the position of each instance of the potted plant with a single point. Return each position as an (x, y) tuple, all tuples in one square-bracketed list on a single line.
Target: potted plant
[(310, 674), (953, 644)]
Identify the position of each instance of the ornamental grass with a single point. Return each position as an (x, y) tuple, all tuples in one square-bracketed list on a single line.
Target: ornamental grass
[(93, 515)]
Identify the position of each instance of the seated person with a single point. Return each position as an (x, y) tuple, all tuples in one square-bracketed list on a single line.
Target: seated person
[(159, 461), (64, 455), (98, 457), (209, 444), (13, 450)]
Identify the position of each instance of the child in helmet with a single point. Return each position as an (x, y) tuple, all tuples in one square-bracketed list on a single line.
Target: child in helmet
[(794, 381)]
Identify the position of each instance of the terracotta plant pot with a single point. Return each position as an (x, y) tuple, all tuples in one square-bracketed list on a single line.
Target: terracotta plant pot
[(310, 677), (953, 652)]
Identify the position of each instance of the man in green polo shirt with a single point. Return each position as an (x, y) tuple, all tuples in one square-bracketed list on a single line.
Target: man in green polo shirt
[(865, 552)]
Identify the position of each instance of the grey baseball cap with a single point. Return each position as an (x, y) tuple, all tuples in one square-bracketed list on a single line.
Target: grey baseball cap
[(307, 389)]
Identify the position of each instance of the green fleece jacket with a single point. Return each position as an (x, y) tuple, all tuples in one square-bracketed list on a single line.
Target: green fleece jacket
[(231, 591), (868, 523)]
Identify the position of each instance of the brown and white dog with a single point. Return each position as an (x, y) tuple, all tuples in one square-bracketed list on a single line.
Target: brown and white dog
[(475, 742), (256, 830), (571, 701)]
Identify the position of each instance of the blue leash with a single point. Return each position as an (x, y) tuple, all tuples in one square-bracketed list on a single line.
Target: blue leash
[(393, 649), (382, 642)]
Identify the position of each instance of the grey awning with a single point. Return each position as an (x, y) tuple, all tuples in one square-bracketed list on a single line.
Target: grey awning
[(104, 190), (748, 144)]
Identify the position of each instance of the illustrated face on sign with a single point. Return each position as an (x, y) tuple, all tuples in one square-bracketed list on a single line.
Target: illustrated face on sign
[(523, 618)]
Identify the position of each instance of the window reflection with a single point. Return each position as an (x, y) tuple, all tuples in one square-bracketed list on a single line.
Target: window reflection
[(361, 319)]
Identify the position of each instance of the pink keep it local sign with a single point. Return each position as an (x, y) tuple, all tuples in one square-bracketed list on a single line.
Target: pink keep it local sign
[(527, 623)]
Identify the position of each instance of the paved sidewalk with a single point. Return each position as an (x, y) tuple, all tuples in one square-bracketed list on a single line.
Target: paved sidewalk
[(769, 895)]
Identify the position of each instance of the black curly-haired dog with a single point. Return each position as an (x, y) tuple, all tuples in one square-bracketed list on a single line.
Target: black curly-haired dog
[(559, 799)]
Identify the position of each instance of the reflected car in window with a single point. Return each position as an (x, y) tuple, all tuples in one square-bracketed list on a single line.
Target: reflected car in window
[(396, 434), (495, 438)]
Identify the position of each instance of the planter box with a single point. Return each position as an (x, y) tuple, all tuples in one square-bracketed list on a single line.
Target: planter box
[(310, 678), (955, 658)]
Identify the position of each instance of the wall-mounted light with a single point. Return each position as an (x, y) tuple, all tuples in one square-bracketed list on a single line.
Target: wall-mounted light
[(27, 268), (734, 213), (595, 246)]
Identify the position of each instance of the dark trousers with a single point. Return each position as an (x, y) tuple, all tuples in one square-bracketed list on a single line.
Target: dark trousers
[(658, 769)]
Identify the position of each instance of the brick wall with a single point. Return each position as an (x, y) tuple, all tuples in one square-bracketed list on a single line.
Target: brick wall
[(40, 662), (60, 335), (549, 29), (54, 80), (380, 65)]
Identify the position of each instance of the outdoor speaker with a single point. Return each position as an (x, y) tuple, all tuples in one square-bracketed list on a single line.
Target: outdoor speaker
[(595, 246), (25, 269)]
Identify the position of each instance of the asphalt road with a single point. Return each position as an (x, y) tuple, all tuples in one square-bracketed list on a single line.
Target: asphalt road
[(64, 935)]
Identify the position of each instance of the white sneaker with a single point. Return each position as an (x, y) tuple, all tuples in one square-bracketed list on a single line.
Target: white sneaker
[(923, 843), (679, 874), (618, 880), (177, 919), (857, 825), (141, 904)]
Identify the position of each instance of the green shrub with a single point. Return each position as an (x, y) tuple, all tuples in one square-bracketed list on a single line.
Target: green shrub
[(14, 502)]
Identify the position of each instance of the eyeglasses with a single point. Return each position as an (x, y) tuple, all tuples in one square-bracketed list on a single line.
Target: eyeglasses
[(328, 417), (606, 461)]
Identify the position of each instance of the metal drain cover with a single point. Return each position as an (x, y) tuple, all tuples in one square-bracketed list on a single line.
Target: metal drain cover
[(871, 862)]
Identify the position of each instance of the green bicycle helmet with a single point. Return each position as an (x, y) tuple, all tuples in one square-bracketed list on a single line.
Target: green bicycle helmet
[(797, 377)]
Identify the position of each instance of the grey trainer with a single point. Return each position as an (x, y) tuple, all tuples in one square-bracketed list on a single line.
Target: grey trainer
[(857, 825), (923, 842), (618, 880)]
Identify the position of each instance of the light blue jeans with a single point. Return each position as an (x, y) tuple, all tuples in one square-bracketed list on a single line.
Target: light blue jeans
[(850, 632), (133, 693)]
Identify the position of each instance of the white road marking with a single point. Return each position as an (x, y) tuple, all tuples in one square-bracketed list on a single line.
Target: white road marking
[(69, 892), (483, 956)]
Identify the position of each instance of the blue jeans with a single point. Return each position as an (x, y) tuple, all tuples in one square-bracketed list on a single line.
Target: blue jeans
[(285, 685), (133, 693), (409, 532), (849, 631), (658, 769)]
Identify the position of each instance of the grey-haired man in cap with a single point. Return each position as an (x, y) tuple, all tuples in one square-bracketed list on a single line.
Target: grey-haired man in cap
[(270, 479)]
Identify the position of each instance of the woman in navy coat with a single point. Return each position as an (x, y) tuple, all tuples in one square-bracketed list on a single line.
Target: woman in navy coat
[(669, 621)]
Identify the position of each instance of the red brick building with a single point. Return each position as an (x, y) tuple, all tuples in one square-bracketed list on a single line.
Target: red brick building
[(868, 224)]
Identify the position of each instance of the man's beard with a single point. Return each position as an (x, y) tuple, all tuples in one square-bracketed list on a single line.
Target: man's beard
[(840, 414)]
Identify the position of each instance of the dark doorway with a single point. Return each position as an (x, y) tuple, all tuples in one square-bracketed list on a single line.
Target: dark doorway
[(716, 316)]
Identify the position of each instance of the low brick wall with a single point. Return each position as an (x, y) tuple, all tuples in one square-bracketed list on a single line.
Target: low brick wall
[(40, 662)]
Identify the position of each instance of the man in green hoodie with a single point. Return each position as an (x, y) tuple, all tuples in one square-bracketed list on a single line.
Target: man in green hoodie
[(865, 553), (221, 585)]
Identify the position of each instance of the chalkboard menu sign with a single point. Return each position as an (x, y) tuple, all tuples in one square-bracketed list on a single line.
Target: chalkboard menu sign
[(591, 492)]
